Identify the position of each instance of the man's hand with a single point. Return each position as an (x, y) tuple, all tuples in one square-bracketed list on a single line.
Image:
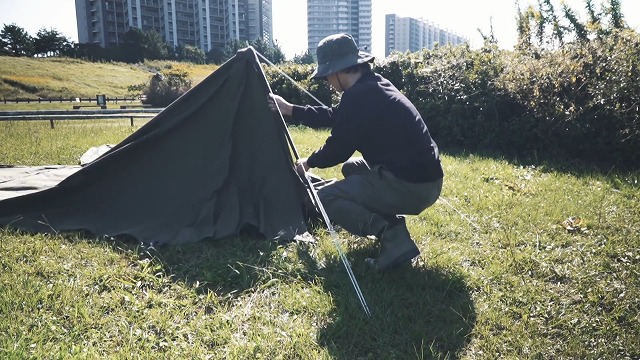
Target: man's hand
[(302, 167), (277, 102)]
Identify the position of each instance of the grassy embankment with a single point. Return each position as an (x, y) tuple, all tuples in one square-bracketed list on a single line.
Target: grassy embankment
[(508, 280), (70, 78)]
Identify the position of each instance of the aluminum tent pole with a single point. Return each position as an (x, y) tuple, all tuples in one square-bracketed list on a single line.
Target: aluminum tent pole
[(316, 199)]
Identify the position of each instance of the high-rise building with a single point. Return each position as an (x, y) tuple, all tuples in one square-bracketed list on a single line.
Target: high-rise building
[(410, 34), (100, 22), (327, 17), (206, 24)]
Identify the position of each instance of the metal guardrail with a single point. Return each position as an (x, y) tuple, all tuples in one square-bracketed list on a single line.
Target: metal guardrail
[(114, 99), (59, 115), (80, 112)]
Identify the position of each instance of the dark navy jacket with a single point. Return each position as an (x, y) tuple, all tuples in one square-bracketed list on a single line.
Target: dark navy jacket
[(374, 118)]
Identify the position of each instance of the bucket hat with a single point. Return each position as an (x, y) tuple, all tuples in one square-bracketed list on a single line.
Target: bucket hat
[(338, 52)]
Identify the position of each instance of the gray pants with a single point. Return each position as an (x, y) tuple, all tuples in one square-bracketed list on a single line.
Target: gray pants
[(368, 199)]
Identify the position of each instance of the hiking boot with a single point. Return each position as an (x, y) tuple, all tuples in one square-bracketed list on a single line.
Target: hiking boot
[(396, 248)]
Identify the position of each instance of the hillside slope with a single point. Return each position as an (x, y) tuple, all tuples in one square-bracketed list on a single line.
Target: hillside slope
[(66, 77)]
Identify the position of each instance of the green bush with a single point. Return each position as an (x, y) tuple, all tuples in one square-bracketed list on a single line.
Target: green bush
[(454, 88), (301, 74), (163, 89), (578, 102), (583, 98)]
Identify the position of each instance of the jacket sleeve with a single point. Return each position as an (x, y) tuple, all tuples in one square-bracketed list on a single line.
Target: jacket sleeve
[(345, 136), (314, 116)]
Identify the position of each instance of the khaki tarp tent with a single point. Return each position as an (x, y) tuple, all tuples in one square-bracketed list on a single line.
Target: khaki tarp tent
[(214, 162)]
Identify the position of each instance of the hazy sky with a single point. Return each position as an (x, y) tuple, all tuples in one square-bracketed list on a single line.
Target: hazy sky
[(463, 17)]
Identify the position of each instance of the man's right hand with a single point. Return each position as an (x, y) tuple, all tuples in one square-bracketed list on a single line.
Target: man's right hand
[(277, 102)]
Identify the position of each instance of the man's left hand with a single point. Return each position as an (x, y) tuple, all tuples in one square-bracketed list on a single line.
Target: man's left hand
[(302, 167)]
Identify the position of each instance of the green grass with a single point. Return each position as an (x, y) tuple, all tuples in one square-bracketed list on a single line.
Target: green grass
[(35, 143), (499, 275), (66, 77), (53, 77)]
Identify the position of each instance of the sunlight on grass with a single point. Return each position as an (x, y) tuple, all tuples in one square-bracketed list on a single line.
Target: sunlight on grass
[(55, 77), (500, 274), (45, 77), (35, 143)]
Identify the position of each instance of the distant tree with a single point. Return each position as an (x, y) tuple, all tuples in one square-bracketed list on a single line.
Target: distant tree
[(175, 53), (3, 46), (216, 55), (155, 47), (50, 42), (87, 51), (16, 41), (272, 52), (192, 54), (133, 45), (232, 48), (139, 45), (304, 59), (268, 50)]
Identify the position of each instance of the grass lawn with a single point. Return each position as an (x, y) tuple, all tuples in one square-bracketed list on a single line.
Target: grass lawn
[(59, 77), (518, 262)]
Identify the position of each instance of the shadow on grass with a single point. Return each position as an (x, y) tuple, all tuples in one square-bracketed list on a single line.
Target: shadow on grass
[(618, 176), (415, 312), (559, 163), (226, 267)]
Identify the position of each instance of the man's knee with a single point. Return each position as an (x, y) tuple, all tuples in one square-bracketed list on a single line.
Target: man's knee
[(325, 194)]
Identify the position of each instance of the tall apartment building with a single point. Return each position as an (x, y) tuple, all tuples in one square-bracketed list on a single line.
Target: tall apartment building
[(326, 17), (410, 34), (207, 24)]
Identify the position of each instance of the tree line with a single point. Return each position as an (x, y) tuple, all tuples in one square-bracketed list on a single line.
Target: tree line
[(16, 41), (137, 45)]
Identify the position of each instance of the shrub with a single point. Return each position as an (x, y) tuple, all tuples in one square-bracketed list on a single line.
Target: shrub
[(163, 89), (301, 74), (576, 102), (583, 98)]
